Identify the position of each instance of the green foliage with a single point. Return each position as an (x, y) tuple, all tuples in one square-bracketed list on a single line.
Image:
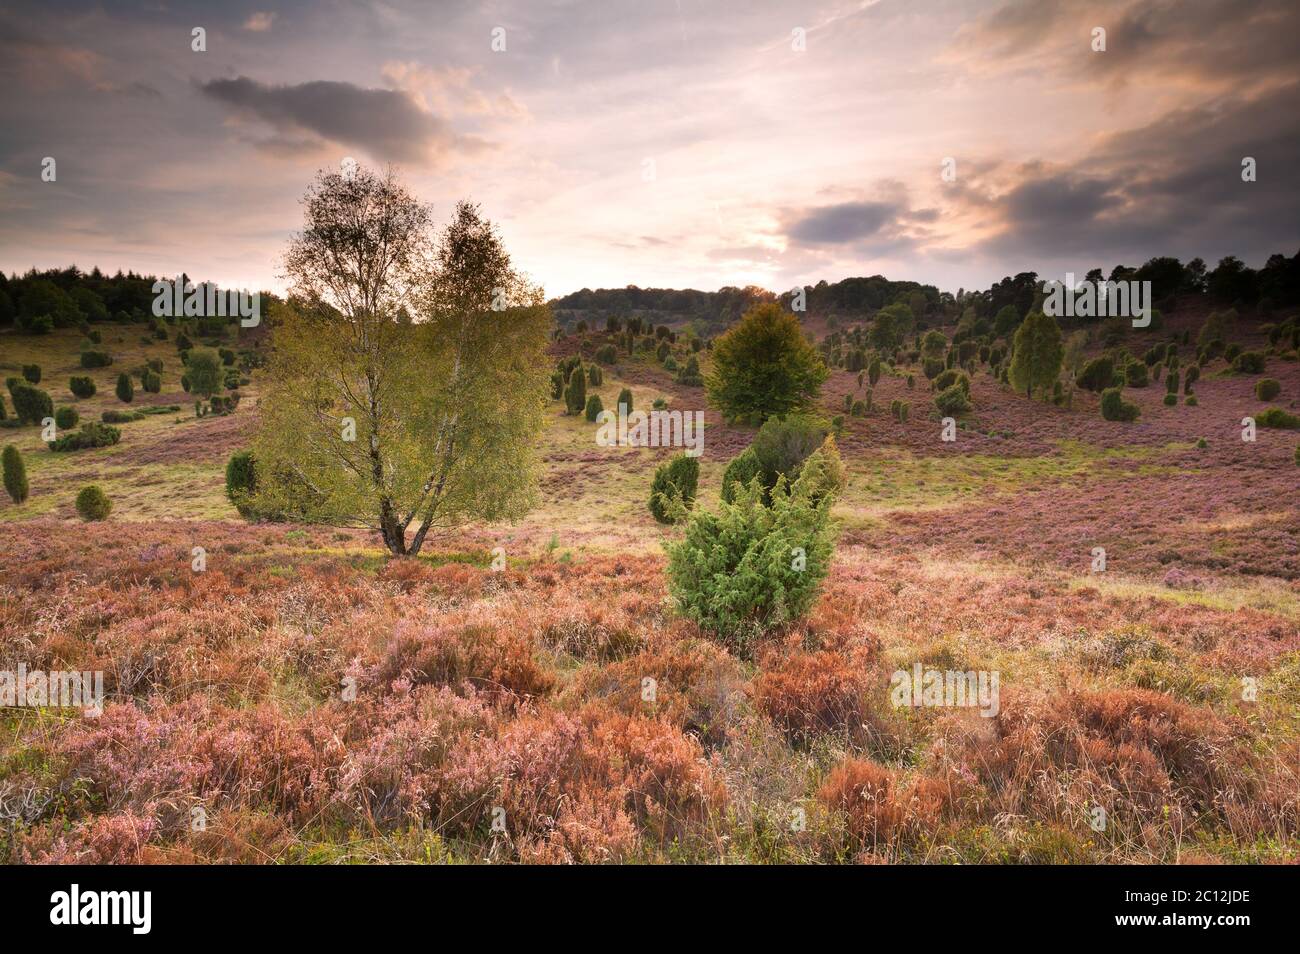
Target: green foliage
[(92, 434), (15, 474), (690, 375), (241, 482), (575, 392), (1171, 381), (753, 566), (66, 417), (31, 404), (1135, 375), (763, 367), (125, 388), (783, 444), (93, 503), (1278, 418), (950, 377), (1097, 375), (1115, 408), (952, 401), (624, 405), (873, 371), (205, 371), (151, 381), (1006, 321), (744, 467), (32, 372), (96, 359), (594, 407), (1191, 376), (672, 492), (448, 403), (1171, 399), (1267, 388), (932, 368), (1249, 362), (82, 387)]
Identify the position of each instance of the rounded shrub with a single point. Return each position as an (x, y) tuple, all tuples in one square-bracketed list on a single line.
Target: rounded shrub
[(93, 503), (32, 372), (594, 407), (81, 387), (743, 468), (624, 405), (96, 359), (241, 481), (1276, 417), (674, 481), (1171, 399), (952, 401), (31, 404), (1191, 401), (1267, 388), (1097, 374), (1135, 375), (1202, 443), (66, 417), (1115, 408), (151, 381), (125, 389), (15, 474)]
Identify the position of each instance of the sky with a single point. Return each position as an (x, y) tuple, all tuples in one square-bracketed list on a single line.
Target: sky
[(661, 143)]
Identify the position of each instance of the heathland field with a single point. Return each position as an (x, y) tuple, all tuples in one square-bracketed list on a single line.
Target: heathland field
[(319, 701)]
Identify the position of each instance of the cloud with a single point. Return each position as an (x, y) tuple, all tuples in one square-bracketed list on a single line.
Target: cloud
[(259, 22), (1172, 186), (450, 89), (844, 223), (386, 123)]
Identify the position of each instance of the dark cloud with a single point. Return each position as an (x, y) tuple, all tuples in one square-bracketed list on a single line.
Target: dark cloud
[(1173, 186), (847, 222), (385, 123)]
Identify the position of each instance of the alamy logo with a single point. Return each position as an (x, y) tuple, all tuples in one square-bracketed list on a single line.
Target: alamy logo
[(938, 687), (185, 299), (73, 690), (103, 907), (1088, 299), (656, 429)]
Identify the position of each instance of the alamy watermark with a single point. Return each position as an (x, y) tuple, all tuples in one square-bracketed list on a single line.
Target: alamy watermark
[(57, 689), (938, 687), (179, 298), (1092, 299), (656, 429)]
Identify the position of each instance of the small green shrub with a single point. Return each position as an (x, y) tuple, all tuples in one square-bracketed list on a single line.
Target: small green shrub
[(1171, 399), (750, 566), (1097, 375), (1202, 443), (92, 434), (32, 372), (1135, 375), (1267, 388), (952, 377), (952, 401), (81, 387), (96, 359), (1249, 362), (121, 417), (66, 417), (151, 381), (15, 474), (1191, 401), (93, 503), (674, 483), (241, 482), (594, 407), (1278, 418), (624, 405), (1115, 408), (125, 389), (31, 404), (743, 468)]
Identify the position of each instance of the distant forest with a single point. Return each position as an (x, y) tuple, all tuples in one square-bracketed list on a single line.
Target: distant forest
[(39, 301), (1275, 285)]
